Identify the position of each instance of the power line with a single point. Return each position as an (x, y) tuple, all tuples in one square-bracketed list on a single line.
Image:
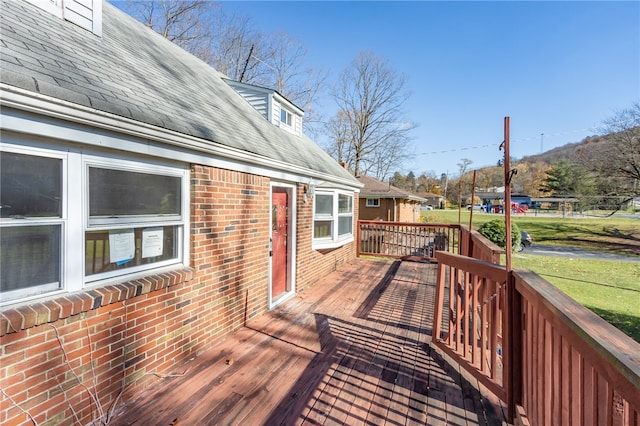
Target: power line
[(517, 140)]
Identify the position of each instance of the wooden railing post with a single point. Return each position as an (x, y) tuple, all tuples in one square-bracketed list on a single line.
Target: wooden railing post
[(513, 347), (358, 238)]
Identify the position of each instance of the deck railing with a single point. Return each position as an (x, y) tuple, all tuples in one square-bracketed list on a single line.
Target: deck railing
[(473, 244), (550, 359), (469, 316), (406, 240), (575, 368)]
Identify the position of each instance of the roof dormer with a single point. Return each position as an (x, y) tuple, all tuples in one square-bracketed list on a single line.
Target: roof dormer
[(274, 107), (84, 13)]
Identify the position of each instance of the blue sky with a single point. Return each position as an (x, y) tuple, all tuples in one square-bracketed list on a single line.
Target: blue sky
[(555, 68), (558, 68)]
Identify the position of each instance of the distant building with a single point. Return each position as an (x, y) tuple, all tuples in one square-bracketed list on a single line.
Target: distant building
[(382, 201), (433, 200)]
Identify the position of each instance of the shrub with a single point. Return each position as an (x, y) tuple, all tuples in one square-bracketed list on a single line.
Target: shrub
[(495, 232)]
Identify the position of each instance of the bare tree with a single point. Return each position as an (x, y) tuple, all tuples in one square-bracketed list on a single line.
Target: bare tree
[(385, 157), (233, 47), (289, 73), (230, 44), (180, 21), (463, 166), (339, 130), (370, 95), (619, 163)]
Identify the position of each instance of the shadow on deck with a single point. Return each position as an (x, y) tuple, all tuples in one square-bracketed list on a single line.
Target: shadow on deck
[(354, 349)]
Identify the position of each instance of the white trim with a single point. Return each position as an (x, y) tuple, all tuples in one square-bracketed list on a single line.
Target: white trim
[(329, 244), (270, 92), (181, 222), (60, 221), (74, 215), (52, 6), (110, 130), (291, 243), (335, 240)]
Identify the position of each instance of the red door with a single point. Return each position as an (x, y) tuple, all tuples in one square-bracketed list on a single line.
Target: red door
[(279, 227)]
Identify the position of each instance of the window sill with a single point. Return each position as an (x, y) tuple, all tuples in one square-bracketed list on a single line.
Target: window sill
[(31, 314), (330, 244)]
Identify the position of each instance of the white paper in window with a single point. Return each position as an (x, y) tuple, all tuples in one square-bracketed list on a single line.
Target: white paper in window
[(122, 246), (152, 242)]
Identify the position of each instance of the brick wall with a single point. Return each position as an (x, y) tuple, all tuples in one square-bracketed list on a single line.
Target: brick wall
[(408, 211), (80, 352), (405, 211), (71, 358)]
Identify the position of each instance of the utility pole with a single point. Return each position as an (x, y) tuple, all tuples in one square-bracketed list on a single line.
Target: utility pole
[(507, 192), (541, 143), (473, 203), (446, 184)]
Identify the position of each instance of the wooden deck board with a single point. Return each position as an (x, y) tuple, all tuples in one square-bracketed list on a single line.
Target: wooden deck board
[(354, 349)]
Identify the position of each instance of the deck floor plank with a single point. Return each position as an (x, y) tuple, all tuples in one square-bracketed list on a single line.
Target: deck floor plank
[(353, 349)]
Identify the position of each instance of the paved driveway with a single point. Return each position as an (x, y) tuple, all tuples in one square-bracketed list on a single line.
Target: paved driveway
[(573, 252)]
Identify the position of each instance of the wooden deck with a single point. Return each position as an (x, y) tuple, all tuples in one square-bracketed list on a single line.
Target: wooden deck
[(354, 349)]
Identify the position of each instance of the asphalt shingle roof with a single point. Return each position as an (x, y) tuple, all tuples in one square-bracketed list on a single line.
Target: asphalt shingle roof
[(133, 72), (378, 189)]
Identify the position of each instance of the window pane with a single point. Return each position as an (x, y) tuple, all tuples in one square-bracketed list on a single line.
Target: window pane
[(345, 225), (285, 117), (324, 204), (29, 257), (31, 186), (151, 245), (344, 203), (322, 228), (121, 193)]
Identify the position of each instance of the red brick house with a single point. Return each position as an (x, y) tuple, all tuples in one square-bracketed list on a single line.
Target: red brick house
[(147, 209), (382, 201)]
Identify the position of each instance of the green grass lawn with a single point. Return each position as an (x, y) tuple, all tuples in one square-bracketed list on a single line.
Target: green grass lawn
[(611, 234), (611, 289)]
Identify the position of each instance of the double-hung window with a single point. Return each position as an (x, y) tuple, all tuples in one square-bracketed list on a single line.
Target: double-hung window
[(69, 220), (332, 219), (33, 222)]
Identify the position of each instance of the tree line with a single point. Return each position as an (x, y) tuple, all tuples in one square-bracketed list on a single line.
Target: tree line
[(602, 172)]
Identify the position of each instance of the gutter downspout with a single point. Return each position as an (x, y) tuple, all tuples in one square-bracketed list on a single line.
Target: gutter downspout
[(395, 210)]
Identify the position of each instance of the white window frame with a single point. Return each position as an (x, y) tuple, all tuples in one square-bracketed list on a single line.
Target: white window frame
[(334, 240), (75, 222), (51, 288), (102, 224), (288, 117), (372, 202)]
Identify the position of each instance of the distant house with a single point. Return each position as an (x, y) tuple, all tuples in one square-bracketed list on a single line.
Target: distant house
[(433, 200), (382, 201), (148, 208)]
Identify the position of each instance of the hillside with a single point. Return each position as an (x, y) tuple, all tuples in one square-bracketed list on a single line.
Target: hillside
[(589, 147)]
